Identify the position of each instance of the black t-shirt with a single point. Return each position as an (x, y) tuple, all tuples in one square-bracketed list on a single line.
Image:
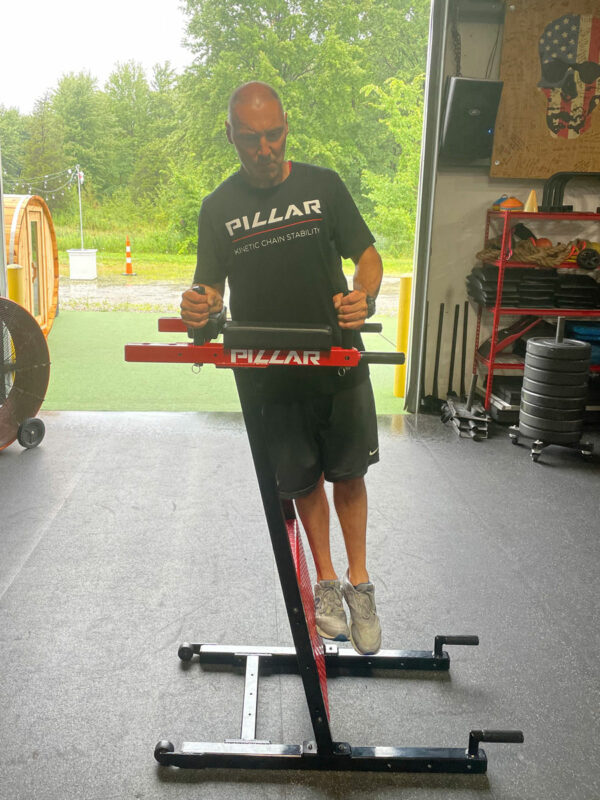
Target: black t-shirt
[(281, 250)]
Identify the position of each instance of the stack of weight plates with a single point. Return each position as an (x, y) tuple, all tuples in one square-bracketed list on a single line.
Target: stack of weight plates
[(576, 291), (555, 386), (482, 286), (536, 289)]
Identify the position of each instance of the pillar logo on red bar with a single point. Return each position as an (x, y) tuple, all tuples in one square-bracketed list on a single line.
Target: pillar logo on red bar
[(265, 358)]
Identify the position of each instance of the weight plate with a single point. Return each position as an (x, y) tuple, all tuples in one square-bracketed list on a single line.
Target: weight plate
[(556, 378), (550, 437), (553, 413), (554, 390), (579, 305), (549, 348), (576, 279), (563, 426), (557, 364), (555, 403)]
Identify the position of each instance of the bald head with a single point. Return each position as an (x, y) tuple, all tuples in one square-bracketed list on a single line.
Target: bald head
[(257, 127), (254, 95)]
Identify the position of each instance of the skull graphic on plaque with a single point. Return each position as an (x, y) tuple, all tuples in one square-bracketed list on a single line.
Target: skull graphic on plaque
[(570, 62)]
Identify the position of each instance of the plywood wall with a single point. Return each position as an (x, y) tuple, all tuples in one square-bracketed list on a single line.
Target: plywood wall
[(524, 144)]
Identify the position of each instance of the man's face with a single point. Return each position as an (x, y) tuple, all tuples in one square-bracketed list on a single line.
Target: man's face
[(258, 131)]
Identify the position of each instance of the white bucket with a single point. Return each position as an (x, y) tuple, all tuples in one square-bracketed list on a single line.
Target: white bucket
[(82, 265)]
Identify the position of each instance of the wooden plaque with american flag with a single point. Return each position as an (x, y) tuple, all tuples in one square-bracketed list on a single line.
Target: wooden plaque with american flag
[(549, 116)]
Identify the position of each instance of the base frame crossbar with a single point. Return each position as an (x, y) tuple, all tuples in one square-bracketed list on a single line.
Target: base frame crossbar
[(248, 752), (336, 658), (265, 755)]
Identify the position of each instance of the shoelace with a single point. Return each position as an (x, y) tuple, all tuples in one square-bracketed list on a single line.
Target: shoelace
[(364, 604), (328, 600)]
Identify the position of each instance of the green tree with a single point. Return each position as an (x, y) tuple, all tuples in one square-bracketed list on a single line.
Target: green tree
[(394, 194), (128, 96), (89, 131), (13, 140), (319, 54), (152, 166), (44, 151)]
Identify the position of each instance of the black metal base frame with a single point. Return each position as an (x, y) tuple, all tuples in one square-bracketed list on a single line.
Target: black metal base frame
[(250, 753), (322, 751)]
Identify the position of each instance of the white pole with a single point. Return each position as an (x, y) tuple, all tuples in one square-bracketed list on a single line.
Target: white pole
[(80, 214), (3, 277)]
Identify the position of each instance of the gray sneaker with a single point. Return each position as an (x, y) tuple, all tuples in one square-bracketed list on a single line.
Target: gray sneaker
[(329, 611), (365, 630)]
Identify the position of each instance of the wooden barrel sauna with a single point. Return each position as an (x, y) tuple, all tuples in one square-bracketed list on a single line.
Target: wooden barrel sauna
[(31, 257)]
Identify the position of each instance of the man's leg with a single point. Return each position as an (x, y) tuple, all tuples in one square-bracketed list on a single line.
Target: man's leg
[(350, 499), (330, 616), (313, 510)]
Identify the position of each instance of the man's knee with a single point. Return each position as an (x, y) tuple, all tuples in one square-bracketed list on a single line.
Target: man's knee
[(349, 487)]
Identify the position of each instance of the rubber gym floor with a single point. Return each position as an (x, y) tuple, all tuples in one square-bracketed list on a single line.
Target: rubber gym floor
[(126, 533)]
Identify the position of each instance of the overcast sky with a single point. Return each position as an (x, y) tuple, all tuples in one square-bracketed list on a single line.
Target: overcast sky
[(43, 39)]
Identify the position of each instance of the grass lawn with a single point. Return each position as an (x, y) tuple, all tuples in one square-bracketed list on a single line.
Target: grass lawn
[(151, 267), (89, 373)]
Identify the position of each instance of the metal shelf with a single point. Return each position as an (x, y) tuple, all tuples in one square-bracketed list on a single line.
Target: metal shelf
[(546, 312), (554, 215), (497, 262), (499, 311)]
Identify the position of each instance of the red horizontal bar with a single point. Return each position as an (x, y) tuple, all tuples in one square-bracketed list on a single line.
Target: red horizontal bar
[(526, 264), (566, 215), (550, 312), (171, 325), (182, 353)]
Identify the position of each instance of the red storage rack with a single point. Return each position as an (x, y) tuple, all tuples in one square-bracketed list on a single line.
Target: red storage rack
[(507, 218)]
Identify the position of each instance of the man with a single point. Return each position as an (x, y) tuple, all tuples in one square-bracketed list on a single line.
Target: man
[(276, 230)]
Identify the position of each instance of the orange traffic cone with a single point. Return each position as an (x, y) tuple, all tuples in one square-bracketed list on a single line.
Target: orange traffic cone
[(128, 266)]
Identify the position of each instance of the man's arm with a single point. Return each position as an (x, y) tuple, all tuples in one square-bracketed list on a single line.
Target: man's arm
[(353, 309), (196, 308)]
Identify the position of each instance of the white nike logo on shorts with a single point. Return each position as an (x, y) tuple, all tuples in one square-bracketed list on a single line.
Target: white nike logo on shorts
[(372, 452)]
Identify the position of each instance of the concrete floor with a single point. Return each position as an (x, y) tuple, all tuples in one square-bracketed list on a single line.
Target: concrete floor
[(124, 534)]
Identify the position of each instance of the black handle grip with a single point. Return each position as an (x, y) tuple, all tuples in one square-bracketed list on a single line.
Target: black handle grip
[(213, 327), (440, 641), (371, 327), (502, 737), (505, 737), (197, 334), (383, 358)]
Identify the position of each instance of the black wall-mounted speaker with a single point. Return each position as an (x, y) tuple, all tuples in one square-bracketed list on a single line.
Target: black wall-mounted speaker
[(469, 119)]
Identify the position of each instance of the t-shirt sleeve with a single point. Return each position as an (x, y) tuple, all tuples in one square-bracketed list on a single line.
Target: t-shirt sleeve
[(210, 263), (351, 233)]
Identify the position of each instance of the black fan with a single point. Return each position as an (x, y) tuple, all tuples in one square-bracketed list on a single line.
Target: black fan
[(24, 375)]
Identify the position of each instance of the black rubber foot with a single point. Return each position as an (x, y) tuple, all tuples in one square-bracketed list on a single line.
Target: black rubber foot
[(162, 748), (186, 651)]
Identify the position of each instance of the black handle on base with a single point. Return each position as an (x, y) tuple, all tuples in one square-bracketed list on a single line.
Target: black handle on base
[(440, 641), (503, 737)]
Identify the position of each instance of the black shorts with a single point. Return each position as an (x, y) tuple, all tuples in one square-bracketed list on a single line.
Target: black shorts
[(333, 434)]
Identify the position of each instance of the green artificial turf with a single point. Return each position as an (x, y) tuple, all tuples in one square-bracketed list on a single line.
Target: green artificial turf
[(89, 373)]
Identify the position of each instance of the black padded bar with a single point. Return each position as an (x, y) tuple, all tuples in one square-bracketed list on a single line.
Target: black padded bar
[(250, 335)]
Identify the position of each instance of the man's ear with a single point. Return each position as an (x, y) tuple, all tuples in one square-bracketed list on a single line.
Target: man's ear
[(228, 131)]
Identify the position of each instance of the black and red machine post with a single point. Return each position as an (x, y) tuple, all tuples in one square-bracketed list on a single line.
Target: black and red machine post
[(258, 346)]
